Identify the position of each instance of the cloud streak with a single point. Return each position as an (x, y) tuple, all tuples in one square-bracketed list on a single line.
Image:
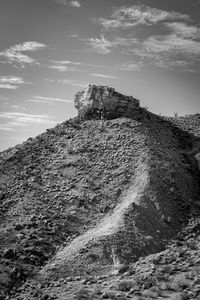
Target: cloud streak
[(178, 47), (66, 63), (100, 45), (11, 120), (15, 54), (171, 44), (73, 3), (130, 66), (72, 82), (103, 76), (126, 17), (11, 82), (62, 68), (104, 46), (184, 30), (49, 100)]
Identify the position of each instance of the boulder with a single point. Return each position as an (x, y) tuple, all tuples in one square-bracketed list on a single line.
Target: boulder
[(101, 102)]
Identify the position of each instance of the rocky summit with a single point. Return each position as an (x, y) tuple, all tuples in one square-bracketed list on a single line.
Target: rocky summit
[(103, 206), (104, 102)]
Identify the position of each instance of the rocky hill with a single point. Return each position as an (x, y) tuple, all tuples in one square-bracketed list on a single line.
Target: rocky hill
[(103, 206)]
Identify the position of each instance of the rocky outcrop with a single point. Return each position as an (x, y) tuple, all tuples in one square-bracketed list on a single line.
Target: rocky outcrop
[(104, 102), (87, 199)]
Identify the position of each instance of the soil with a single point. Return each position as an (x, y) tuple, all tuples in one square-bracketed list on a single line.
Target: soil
[(103, 209)]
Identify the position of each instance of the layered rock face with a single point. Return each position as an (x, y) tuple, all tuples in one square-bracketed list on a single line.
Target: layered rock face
[(104, 102)]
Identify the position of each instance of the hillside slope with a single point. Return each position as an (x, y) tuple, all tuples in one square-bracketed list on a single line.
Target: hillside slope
[(89, 196)]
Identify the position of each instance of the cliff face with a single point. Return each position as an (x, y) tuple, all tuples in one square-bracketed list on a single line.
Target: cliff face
[(104, 102)]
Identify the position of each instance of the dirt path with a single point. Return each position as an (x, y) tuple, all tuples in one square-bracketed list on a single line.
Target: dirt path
[(108, 225)]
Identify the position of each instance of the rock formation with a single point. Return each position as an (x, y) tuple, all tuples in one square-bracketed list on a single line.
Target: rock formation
[(104, 102), (86, 207)]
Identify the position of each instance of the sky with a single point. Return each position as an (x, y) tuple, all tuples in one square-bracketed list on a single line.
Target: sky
[(50, 49)]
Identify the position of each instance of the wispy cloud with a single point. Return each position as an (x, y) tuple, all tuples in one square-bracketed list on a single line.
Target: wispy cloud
[(7, 105), (62, 64), (7, 127), (10, 82), (11, 120), (8, 86), (171, 44), (130, 66), (15, 54), (101, 45), (170, 64), (66, 62), (126, 17), (177, 48), (184, 30), (73, 3), (182, 40), (73, 36), (49, 100), (17, 107), (104, 46), (106, 76), (62, 68), (63, 2), (72, 82), (171, 51)]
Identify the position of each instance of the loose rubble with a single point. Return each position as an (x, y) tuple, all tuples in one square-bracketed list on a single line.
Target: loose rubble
[(103, 208)]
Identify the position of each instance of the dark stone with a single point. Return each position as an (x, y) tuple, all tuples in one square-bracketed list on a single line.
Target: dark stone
[(10, 253)]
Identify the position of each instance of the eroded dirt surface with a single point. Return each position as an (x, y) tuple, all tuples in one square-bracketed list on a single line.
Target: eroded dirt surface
[(102, 209)]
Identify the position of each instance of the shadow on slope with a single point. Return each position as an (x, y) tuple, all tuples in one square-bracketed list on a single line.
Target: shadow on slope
[(95, 194), (161, 197)]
